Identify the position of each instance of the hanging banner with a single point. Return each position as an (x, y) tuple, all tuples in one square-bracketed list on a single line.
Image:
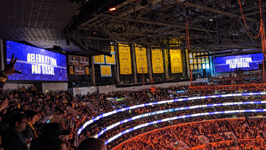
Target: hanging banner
[(157, 61), (174, 41), (87, 70), (141, 59), (71, 70), (79, 70), (106, 71), (124, 59), (110, 60), (84, 61), (176, 61), (112, 49), (73, 60), (99, 59)]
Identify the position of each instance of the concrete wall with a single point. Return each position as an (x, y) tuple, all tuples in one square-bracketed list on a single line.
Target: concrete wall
[(15, 86), (110, 88), (48, 87)]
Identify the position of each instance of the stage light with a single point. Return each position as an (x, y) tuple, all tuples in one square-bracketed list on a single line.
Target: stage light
[(112, 9)]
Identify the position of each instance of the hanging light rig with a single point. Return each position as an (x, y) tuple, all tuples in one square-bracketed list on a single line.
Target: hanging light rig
[(261, 34)]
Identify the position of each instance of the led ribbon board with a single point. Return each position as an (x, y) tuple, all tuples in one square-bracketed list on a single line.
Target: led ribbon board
[(182, 117), (163, 102), (173, 110)]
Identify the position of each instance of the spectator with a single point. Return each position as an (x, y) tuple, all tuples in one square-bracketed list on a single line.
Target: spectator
[(30, 132), (92, 144), (12, 138), (50, 138), (9, 69)]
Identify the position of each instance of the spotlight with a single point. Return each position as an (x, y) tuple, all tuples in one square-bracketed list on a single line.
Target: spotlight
[(112, 9)]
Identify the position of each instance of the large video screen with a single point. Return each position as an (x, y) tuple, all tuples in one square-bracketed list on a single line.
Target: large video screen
[(36, 64), (244, 62)]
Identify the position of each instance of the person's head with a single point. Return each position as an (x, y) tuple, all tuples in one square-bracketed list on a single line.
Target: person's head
[(92, 144), (32, 116), (53, 130), (18, 121)]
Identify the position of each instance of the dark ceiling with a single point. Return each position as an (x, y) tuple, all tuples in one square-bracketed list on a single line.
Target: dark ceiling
[(38, 22), (214, 25)]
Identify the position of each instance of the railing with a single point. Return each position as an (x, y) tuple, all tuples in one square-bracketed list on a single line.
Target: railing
[(118, 147), (220, 142), (251, 86)]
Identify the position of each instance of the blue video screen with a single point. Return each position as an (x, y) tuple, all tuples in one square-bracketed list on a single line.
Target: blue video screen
[(244, 62), (36, 64)]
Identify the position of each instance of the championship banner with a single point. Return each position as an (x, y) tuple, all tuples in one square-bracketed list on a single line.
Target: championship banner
[(141, 59), (106, 71), (73, 60), (110, 60), (157, 61), (176, 61), (112, 49), (125, 59), (87, 70), (84, 61), (99, 59), (79, 70), (71, 70)]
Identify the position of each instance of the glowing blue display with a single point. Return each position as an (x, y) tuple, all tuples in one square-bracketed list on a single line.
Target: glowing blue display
[(182, 117), (172, 110), (163, 102), (231, 63), (36, 64)]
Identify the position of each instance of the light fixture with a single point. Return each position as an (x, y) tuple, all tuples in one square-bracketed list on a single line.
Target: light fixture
[(112, 9)]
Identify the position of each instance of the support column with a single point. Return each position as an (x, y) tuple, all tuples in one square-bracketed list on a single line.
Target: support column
[(132, 49), (117, 63), (2, 62), (166, 64), (93, 71), (148, 51)]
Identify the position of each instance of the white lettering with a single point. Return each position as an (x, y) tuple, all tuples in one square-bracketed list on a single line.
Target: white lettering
[(238, 62), (42, 64), (36, 69), (28, 57)]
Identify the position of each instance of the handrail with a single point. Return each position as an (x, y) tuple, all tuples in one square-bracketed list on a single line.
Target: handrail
[(183, 117), (162, 102), (177, 125)]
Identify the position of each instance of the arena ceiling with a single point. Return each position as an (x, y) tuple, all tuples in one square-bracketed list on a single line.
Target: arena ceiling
[(214, 25)]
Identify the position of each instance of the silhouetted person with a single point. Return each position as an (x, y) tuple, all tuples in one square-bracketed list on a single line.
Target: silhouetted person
[(92, 144)]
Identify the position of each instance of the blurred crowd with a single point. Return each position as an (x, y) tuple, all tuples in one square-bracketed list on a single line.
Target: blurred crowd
[(73, 111), (232, 134), (30, 119)]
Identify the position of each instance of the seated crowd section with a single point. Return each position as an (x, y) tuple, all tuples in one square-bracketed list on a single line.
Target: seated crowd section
[(215, 134), (39, 111)]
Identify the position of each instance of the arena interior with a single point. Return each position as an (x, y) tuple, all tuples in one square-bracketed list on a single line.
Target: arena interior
[(132, 75)]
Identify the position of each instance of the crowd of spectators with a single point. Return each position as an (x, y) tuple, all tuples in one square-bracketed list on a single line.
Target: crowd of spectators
[(71, 112), (28, 111), (243, 134)]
